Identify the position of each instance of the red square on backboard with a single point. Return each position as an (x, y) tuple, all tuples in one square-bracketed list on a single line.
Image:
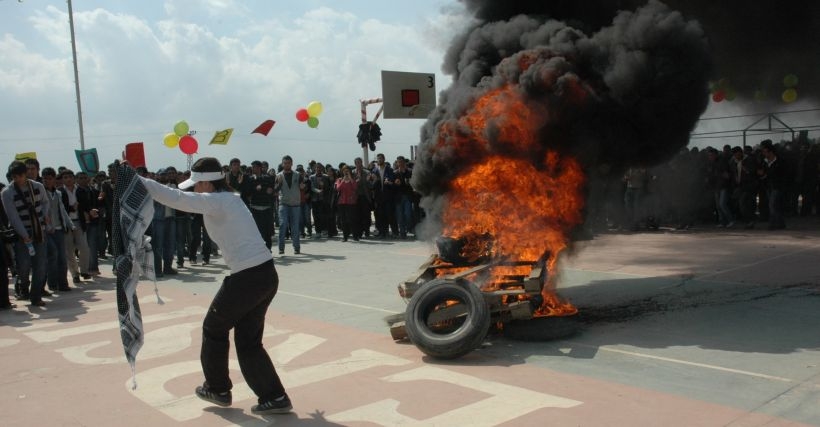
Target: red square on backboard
[(409, 97)]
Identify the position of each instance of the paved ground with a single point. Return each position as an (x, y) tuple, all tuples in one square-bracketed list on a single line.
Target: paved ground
[(702, 328)]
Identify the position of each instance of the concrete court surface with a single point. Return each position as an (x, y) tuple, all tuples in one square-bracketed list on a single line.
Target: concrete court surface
[(699, 328)]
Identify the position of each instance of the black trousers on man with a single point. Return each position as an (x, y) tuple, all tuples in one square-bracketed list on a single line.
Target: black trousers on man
[(264, 222)]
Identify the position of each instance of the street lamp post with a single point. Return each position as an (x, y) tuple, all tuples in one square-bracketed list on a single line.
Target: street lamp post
[(76, 74)]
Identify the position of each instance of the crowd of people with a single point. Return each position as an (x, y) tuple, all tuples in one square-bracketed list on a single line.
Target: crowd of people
[(732, 187), (735, 187), (61, 220)]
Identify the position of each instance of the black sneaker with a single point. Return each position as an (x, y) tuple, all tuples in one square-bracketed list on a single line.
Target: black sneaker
[(219, 399), (281, 406)]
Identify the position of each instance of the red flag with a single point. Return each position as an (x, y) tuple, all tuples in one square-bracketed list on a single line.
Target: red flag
[(135, 154), (265, 127)]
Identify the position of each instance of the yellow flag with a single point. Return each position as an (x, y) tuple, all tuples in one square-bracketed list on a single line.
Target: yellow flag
[(221, 137), (23, 156)]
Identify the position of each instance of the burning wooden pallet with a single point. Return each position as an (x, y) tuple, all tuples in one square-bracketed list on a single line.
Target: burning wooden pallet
[(451, 306)]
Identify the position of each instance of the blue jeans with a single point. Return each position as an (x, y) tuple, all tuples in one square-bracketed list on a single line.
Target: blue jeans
[(722, 198), (304, 224), (36, 265), (56, 260), (183, 236), (776, 219), (404, 214), (163, 240), (289, 220)]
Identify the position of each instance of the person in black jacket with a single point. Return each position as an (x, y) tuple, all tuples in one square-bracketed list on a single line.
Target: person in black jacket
[(258, 192), (776, 178)]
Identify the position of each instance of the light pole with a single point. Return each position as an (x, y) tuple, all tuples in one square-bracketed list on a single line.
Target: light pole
[(76, 74)]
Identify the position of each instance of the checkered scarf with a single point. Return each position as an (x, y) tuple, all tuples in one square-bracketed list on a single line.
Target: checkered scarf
[(133, 211)]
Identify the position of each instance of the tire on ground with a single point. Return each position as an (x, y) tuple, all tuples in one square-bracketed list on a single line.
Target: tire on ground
[(454, 338)]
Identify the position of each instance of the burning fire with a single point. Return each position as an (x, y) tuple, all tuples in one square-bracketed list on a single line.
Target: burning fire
[(528, 206)]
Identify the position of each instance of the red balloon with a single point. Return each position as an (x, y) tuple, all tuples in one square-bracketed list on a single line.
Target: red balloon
[(302, 115), (718, 96), (188, 144)]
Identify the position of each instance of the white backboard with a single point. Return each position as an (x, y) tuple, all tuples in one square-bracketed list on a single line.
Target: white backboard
[(408, 95)]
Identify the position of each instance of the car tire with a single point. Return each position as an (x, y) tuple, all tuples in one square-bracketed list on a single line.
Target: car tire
[(453, 337)]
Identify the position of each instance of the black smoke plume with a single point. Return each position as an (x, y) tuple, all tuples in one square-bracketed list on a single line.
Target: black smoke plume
[(753, 43), (614, 89)]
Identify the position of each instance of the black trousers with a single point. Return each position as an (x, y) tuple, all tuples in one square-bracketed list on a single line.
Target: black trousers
[(264, 222), (241, 304), (199, 235)]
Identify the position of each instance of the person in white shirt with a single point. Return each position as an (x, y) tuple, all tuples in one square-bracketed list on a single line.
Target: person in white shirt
[(245, 294)]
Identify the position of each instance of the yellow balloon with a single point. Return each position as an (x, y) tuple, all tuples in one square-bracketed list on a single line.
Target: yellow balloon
[(314, 108), (789, 95), (171, 140)]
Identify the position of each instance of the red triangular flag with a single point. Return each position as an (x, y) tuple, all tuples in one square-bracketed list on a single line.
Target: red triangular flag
[(265, 127)]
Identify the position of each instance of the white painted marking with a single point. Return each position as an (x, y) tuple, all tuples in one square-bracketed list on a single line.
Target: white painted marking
[(54, 335), (505, 403), (685, 362), (50, 318), (158, 343), (349, 304), (8, 342), (152, 390)]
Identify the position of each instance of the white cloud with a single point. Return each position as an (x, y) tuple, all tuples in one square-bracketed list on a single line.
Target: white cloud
[(140, 77)]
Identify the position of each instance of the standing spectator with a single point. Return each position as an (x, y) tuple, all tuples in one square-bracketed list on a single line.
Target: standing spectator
[(320, 200), (107, 195), (33, 170), (720, 183), (163, 234), (383, 196), (305, 226), (60, 226), (88, 198), (258, 192), (182, 221), (26, 207), (805, 180), (5, 303), (742, 169), (346, 188), (776, 177), (75, 242), (364, 197), (635, 179), (199, 235), (403, 196), (290, 187), (235, 177)]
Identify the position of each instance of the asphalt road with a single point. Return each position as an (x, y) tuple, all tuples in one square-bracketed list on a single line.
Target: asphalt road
[(698, 328)]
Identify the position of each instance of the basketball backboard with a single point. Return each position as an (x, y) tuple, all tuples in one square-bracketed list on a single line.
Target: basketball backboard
[(408, 95)]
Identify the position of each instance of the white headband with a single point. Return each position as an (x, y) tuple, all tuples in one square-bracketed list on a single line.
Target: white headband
[(206, 176)]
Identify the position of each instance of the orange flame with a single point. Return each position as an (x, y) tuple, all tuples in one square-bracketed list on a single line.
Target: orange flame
[(528, 206)]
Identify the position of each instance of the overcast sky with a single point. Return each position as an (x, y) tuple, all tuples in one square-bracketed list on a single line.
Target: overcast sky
[(144, 65)]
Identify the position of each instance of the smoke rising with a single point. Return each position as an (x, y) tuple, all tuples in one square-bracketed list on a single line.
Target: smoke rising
[(753, 43), (612, 89)]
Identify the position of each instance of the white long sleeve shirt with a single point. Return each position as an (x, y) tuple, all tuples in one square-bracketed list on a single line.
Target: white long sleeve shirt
[(227, 219)]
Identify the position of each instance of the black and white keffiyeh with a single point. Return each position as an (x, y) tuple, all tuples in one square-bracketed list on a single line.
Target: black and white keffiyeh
[(133, 211)]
